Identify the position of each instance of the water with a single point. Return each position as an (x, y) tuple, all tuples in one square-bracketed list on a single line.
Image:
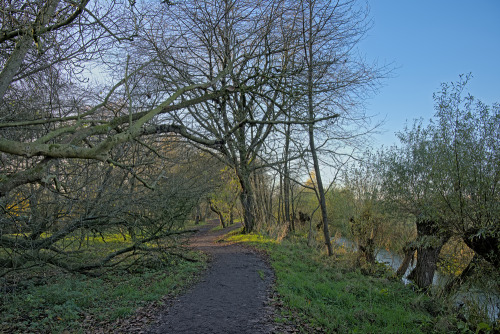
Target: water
[(383, 256), (490, 301)]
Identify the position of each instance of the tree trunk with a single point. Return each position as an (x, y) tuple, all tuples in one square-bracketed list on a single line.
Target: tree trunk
[(409, 256), (292, 208), (368, 250), (269, 216), (206, 212), (457, 281), (486, 244), (197, 217), (312, 146), (23, 44), (260, 199), (429, 246), (286, 180), (246, 197), (219, 214), (247, 203), (423, 273)]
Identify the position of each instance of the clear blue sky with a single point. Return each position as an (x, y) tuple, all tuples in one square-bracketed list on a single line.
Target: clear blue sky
[(429, 42)]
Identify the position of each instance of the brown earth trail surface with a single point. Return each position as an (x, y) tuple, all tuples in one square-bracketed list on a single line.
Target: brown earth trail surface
[(232, 297)]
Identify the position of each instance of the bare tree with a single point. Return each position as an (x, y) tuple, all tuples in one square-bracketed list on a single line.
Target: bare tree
[(88, 199), (243, 39), (224, 75), (61, 127), (334, 75), (77, 160)]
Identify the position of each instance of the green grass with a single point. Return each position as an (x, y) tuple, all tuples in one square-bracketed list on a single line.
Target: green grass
[(62, 301), (331, 294), (217, 228)]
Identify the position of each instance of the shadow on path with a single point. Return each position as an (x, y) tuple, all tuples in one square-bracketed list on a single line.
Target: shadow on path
[(231, 297)]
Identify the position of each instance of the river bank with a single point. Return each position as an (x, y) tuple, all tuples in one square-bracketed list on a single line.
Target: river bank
[(489, 300)]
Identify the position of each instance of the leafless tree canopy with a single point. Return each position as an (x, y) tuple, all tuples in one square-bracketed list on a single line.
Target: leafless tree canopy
[(99, 98)]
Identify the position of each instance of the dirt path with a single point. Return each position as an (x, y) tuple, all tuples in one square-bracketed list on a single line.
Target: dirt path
[(231, 298)]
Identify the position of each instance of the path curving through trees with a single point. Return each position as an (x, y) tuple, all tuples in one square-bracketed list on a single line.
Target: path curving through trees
[(232, 297)]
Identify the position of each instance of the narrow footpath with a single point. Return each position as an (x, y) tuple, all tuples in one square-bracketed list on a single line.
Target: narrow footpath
[(232, 297)]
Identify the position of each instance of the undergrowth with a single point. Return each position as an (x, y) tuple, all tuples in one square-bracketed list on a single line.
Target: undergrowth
[(53, 301)]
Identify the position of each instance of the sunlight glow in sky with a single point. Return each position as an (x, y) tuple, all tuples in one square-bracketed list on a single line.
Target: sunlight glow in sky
[(430, 42)]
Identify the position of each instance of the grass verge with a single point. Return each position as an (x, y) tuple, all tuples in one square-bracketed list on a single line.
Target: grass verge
[(328, 294)]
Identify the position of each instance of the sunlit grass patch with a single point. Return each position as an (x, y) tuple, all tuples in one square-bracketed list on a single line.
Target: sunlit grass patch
[(249, 238), (217, 228)]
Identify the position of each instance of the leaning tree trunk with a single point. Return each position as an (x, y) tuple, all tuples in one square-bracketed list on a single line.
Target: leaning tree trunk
[(409, 251), (469, 271), (429, 244), (219, 214), (485, 244), (23, 45)]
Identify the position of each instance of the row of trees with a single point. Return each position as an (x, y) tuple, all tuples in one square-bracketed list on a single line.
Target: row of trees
[(124, 116), (93, 92), (437, 188), (443, 179), (447, 174)]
